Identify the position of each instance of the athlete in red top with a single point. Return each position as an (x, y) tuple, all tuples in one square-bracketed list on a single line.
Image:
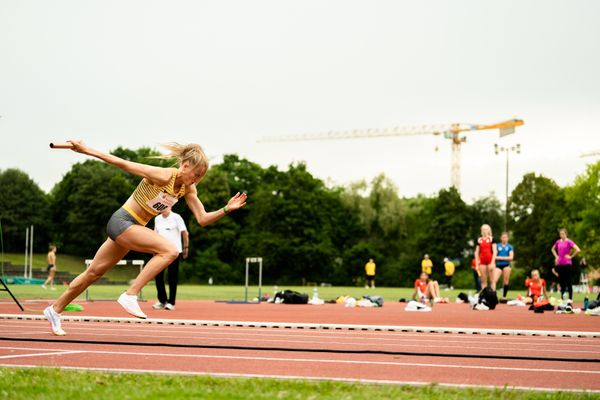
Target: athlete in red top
[(536, 287), (485, 254), (426, 289)]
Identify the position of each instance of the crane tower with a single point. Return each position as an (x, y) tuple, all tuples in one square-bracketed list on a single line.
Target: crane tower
[(453, 132)]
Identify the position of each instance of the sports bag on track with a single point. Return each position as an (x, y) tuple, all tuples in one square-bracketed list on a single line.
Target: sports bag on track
[(292, 297), (488, 297)]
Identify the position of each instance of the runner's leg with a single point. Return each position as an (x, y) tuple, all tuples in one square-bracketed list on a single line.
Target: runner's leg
[(145, 240), (106, 257)]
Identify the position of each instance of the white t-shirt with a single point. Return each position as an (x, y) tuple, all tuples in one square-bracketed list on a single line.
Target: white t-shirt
[(170, 228)]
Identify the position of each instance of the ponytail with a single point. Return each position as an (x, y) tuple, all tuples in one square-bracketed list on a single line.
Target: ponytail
[(191, 153)]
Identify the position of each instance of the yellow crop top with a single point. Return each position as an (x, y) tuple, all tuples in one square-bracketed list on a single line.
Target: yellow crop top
[(155, 199)]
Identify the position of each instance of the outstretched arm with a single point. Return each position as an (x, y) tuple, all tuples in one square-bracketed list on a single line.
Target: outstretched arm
[(204, 217), (157, 175)]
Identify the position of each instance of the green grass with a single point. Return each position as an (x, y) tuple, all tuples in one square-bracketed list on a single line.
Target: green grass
[(48, 383)]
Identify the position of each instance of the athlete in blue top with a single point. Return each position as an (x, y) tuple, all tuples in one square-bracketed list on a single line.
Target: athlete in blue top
[(504, 258)]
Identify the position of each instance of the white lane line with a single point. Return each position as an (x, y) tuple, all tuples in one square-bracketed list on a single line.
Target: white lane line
[(53, 353), (305, 333), (312, 326), (258, 342), (311, 378), (422, 337), (341, 361)]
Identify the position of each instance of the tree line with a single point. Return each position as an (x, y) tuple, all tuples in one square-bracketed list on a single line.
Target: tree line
[(305, 230)]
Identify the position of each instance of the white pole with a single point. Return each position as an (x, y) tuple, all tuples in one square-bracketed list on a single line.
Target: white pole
[(25, 264), (246, 285), (31, 254)]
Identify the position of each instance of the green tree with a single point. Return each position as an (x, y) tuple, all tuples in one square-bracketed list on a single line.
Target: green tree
[(23, 204), (583, 205), (537, 208), (448, 228), (486, 210)]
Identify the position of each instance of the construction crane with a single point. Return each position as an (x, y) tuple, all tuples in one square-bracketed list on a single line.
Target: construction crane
[(449, 131), (591, 153)]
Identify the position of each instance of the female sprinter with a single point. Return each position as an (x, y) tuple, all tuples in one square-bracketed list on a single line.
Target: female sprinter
[(563, 260), (160, 188), (505, 255), (485, 254)]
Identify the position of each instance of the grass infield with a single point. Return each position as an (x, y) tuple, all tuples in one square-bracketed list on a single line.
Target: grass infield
[(50, 383)]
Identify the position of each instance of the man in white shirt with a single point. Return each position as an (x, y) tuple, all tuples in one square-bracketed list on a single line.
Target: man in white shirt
[(170, 225)]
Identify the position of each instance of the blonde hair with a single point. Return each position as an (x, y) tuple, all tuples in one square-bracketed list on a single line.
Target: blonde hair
[(486, 226), (191, 153)]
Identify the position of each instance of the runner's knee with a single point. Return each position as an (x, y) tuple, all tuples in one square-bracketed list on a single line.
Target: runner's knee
[(169, 253)]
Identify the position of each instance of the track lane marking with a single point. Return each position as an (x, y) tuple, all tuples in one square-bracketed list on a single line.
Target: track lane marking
[(53, 353), (351, 344), (337, 361), (509, 339)]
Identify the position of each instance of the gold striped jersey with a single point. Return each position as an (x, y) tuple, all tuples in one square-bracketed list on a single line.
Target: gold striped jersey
[(155, 199)]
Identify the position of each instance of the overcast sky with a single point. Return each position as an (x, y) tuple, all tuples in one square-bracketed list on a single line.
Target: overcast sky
[(227, 73)]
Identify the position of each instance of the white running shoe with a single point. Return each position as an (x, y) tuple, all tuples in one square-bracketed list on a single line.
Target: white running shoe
[(54, 318), (43, 286), (169, 306), (130, 304), (158, 305), (481, 307)]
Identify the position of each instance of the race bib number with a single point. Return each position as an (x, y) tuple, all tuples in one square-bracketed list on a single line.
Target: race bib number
[(161, 202)]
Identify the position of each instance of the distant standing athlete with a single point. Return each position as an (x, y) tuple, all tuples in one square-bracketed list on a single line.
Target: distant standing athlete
[(563, 260), (370, 274), (485, 254), (504, 258), (51, 268)]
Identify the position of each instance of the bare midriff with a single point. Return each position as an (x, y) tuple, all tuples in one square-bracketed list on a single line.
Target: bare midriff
[(142, 216)]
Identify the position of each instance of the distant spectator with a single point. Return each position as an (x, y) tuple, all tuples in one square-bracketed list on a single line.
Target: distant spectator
[(563, 261), (504, 258), (170, 225), (370, 274), (476, 274), (51, 268), (449, 272), (427, 265), (485, 253), (426, 289)]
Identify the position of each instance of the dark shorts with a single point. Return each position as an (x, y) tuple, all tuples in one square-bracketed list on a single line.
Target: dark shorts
[(369, 277), (49, 267), (119, 222), (502, 266)]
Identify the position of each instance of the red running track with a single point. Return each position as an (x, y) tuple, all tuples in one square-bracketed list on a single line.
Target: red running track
[(253, 351)]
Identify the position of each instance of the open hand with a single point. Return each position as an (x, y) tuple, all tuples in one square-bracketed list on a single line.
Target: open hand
[(236, 202)]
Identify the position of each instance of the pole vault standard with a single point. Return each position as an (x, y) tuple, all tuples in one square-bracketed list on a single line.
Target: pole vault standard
[(253, 260)]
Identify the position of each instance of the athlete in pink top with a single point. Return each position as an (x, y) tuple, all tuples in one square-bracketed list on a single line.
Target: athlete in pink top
[(563, 260)]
